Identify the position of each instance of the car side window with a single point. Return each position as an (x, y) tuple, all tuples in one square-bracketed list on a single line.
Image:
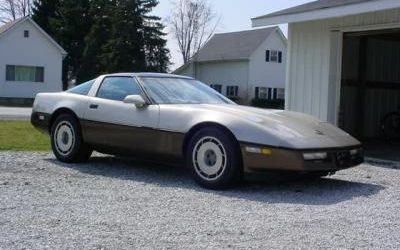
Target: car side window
[(82, 89), (117, 88)]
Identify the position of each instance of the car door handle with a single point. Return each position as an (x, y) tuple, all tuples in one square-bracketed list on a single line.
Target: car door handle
[(93, 106)]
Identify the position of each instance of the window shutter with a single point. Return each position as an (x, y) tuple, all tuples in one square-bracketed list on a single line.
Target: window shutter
[(267, 54), (257, 92), (10, 73), (39, 76), (269, 95), (280, 56)]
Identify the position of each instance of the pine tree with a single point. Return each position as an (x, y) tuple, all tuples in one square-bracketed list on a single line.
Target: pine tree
[(101, 12), (104, 36), (68, 22), (124, 50), (43, 11), (157, 55), (137, 42), (71, 25)]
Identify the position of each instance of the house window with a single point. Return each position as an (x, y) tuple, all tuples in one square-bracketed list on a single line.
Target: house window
[(232, 91), (26, 33), (269, 93), (16, 73), (217, 87), (273, 56)]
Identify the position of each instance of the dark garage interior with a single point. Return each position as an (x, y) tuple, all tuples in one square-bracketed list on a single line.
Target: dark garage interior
[(370, 89)]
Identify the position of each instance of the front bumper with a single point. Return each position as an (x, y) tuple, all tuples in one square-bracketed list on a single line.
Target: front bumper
[(41, 121), (292, 159)]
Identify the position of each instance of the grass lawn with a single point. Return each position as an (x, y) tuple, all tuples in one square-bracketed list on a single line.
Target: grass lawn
[(21, 136)]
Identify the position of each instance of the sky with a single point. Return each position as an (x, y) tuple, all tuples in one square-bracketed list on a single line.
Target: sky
[(235, 16)]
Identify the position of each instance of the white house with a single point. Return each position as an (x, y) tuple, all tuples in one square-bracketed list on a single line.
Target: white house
[(343, 61), (242, 64), (30, 61)]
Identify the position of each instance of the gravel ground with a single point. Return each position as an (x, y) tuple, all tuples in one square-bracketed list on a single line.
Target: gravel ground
[(117, 203)]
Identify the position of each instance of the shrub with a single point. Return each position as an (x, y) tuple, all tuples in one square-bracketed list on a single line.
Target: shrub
[(269, 104), (235, 99)]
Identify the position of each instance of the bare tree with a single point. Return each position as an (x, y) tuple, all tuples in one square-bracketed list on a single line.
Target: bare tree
[(11, 10), (192, 22)]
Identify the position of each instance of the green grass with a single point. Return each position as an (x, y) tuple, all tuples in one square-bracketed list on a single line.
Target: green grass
[(22, 136)]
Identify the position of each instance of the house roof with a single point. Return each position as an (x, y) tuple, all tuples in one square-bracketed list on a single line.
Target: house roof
[(316, 5), (322, 9), (233, 46), (11, 25)]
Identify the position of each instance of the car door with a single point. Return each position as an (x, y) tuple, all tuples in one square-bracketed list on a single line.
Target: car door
[(111, 124)]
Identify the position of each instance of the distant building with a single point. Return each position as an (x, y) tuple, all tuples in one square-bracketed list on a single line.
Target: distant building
[(30, 61), (243, 65)]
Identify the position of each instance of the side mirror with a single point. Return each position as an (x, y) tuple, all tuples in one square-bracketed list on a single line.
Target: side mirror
[(137, 100)]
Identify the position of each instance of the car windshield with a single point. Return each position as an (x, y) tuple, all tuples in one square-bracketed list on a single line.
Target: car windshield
[(181, 91)]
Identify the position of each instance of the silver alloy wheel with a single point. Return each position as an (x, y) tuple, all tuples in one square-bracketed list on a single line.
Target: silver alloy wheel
[(209, 158), (64, 138)]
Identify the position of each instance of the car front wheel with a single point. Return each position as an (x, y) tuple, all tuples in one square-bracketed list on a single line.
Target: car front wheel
[(214, 159), (67, 142)]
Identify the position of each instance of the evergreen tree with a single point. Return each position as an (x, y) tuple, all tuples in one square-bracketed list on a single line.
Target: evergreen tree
[(71, 26), (137, 42), (68, 22), (124, 50), (104, 36), (43, 11), (101, 12), (157, 55)]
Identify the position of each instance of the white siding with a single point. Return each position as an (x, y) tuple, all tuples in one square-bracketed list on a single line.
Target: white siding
[(267, 74), (187, 70), (310, 72), (225, 73), (36, 50), (247, 74)]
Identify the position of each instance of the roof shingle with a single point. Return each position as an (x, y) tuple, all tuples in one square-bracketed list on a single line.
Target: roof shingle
[(9, 25), (233, 46)]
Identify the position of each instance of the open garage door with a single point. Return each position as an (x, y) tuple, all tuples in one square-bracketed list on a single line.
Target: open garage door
[(370, 88)]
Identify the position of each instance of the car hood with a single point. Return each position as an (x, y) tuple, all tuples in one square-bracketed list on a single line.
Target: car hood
[(296, 129)]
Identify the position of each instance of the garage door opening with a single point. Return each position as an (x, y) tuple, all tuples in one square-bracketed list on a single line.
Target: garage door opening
[(370, 88)]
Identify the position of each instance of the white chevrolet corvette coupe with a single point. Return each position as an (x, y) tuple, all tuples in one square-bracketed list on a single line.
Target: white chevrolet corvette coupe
[(176, 118)]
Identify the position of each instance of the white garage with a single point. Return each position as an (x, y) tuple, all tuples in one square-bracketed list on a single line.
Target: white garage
[(343, 62)]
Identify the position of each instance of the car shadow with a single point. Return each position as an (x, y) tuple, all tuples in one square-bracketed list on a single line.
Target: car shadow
[(382, 163), (323, 191)]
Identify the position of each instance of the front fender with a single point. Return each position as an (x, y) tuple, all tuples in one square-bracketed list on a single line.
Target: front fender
[(182, 119)]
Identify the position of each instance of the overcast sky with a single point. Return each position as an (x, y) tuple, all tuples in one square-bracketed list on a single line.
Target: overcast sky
[(235, 16)]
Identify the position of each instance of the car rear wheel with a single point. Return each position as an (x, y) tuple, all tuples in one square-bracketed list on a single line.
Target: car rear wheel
[(67, 142), (214, 159)]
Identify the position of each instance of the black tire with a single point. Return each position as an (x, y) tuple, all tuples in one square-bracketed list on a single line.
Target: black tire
[(67, 142), (220, 156)]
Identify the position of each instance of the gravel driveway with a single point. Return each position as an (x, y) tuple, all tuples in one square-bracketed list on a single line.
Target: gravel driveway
[(116, 203)]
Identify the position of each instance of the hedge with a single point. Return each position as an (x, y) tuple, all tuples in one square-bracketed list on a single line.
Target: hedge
[(269, 104)]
